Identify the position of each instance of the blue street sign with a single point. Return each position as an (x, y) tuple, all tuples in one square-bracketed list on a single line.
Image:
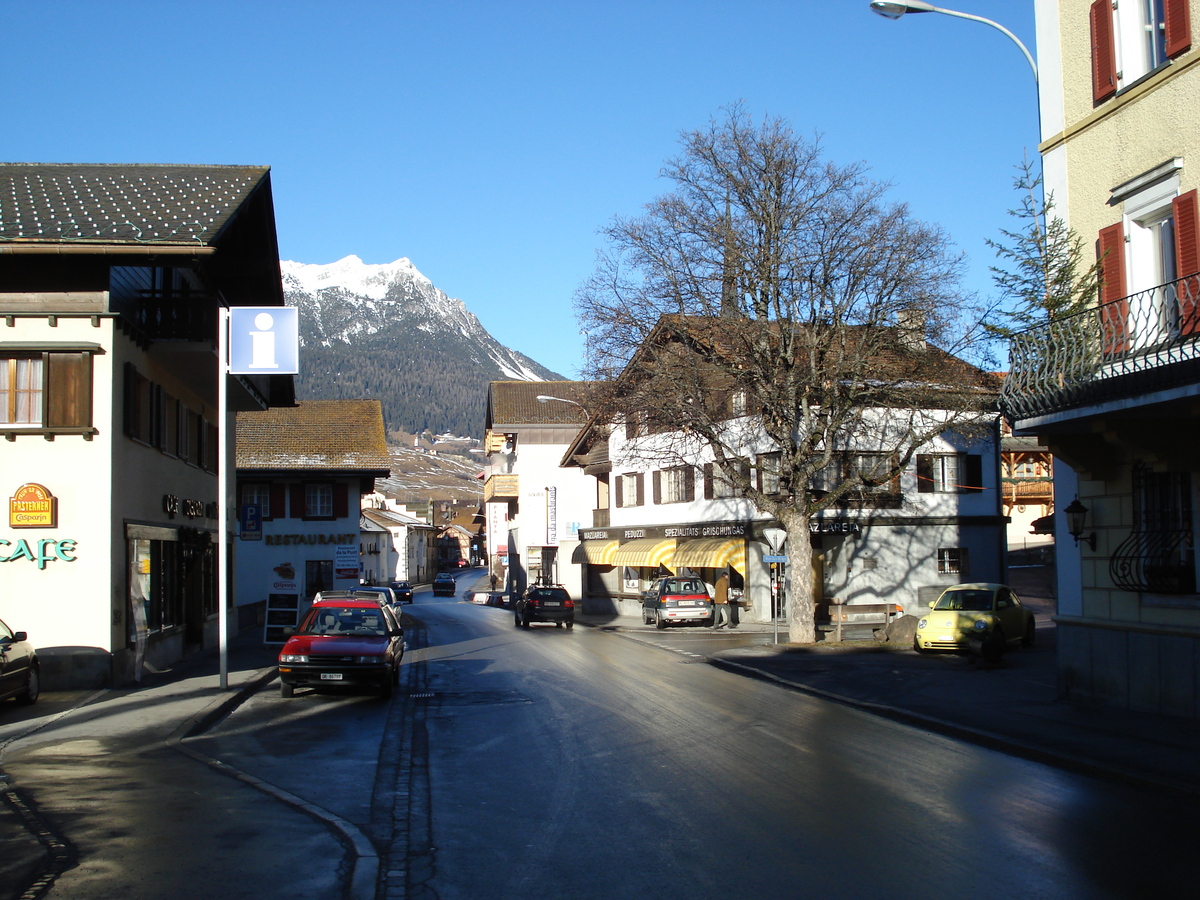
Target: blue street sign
[(264, 340), (776, 559)]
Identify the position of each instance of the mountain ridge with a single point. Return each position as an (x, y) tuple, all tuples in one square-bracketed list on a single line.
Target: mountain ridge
[(386, 331)]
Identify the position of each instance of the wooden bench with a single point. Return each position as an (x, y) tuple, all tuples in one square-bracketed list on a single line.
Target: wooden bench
[(873, 614)]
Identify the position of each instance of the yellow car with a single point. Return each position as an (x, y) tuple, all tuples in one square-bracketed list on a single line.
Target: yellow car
[(980, 617)]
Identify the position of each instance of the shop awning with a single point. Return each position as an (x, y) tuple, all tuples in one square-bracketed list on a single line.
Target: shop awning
[(648, 552), (598, 553), (712, 553)]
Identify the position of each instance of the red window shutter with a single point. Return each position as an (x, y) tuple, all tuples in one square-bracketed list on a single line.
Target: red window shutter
[(298, 503), (689, 483), (1114, 309), (656, 483), (1178, 21), (1187, 260), (341, 500), (641, 488), (277, 502), (1104, 53), (620, 492), (708, 480)]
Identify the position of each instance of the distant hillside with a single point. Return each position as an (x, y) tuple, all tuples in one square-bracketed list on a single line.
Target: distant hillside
[(385, 331)]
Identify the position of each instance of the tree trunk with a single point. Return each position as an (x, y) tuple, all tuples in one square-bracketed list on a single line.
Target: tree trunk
[(801, 610)]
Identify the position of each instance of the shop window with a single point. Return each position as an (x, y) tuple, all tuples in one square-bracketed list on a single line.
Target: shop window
[(46, 390)]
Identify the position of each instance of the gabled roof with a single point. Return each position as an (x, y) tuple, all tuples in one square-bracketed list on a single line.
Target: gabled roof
[(121, 204), (389, 519), (322, 435), (514, 403)]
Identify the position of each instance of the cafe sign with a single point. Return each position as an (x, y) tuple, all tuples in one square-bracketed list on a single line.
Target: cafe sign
[(32, 506)]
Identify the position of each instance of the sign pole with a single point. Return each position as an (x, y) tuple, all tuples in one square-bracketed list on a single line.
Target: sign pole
[(222, 488)]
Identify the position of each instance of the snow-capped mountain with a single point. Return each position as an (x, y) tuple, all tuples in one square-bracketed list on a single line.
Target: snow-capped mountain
[(386, 331)]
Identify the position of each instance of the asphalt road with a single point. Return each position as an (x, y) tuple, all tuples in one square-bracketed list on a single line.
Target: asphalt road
[(548, 763)]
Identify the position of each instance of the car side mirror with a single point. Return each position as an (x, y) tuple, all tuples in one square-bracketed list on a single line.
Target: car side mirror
[(20, 636)]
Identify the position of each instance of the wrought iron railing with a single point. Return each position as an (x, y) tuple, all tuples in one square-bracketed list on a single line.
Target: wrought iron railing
[(1145, 341), (1162, 562)]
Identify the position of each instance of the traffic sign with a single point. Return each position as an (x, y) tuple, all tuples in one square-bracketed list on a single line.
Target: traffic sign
[(774, 559)]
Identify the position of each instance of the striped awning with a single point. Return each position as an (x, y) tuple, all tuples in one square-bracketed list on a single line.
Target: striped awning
[(599, 553), (712, 553), (648, 552)]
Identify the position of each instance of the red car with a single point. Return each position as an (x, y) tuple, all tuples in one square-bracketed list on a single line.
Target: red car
[(343, 642)]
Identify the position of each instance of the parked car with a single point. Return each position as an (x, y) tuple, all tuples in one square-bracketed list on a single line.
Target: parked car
[(444, 583), (981, 617), (403, 591), (461, 563), (388, 595), (343, 642), (545, 603), (19, 670), (675, 600)]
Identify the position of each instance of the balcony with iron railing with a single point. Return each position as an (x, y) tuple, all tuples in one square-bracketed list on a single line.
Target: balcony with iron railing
[(1147, 341)]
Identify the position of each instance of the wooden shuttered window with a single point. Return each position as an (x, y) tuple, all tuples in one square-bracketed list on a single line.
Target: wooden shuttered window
[(1114, 307), (1104, 51), (341, 500), (1178, 22), (69, 390), (278, 508), (1186, 209)]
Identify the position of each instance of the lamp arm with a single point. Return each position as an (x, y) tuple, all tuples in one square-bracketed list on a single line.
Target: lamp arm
[(1012, 37)]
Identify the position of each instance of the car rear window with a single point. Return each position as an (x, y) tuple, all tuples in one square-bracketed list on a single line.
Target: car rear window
[(684, 586), (344, 620), (548, 594)]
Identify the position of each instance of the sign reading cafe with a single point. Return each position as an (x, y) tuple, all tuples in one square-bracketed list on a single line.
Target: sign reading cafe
[(33, 506)]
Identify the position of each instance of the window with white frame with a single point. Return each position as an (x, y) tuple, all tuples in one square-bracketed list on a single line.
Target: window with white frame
[(1133, 38), (952, 560), (47, 389), (768, 472), (949, 473), (676, 485), (258, 495), (875, 471), (318, 501), (630, 490)]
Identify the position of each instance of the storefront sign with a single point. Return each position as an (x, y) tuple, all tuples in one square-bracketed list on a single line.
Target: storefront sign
[(48, 550), (278, 539), (190, 509), (833, 526), (285, 579), (32, 506)]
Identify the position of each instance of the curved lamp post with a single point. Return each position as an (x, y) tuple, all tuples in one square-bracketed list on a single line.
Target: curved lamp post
[(894, 9)]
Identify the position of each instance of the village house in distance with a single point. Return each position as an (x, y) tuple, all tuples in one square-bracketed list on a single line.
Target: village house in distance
[(301, 474)]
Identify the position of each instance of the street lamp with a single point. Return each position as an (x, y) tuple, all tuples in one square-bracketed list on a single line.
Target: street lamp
[(893, 9), (1076, 514)]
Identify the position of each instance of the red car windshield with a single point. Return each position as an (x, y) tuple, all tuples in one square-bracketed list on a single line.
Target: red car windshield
[(344, 620)]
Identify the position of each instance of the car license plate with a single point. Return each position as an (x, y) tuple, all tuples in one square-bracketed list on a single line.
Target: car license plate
[(685, 602), (551, 603), (331, 676)]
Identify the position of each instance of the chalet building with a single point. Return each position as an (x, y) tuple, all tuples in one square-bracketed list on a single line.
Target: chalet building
[(901, 541), (533, 508), (407, 551), (301, 473), (111, 282), (1114, 392)]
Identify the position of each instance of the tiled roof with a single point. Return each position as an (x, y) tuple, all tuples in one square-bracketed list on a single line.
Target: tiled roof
[(335, 435), (388, 519), (121, 204), (512, 403)]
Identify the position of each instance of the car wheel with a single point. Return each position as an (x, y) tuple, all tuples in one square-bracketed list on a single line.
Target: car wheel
[(659, 622), (388, 686), (286, 690), (558, 624), (917, 646), (517, 620), (33, 688), (1027, 640), (570, 623), (524, 621)]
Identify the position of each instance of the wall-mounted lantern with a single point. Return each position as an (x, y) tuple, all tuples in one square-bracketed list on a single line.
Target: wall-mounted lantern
[(1076, 514)]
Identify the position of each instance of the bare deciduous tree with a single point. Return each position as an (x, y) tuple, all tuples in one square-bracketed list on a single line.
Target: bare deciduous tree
[(774, 314)]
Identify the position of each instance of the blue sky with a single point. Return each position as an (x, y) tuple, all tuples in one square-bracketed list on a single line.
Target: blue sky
[(489, 141)]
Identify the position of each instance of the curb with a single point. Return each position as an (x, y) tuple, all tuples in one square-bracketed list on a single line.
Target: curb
[(364, 873)]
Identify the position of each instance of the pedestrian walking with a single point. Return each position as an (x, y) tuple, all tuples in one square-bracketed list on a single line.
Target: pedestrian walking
[(721, 602)]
